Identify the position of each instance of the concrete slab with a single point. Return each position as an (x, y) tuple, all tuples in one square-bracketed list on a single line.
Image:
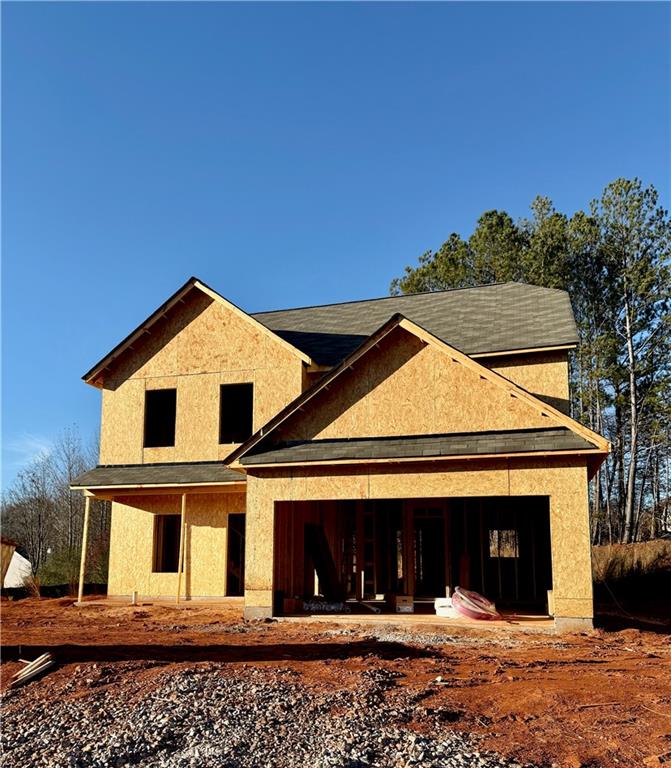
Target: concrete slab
[(510, 621), (200, 602)]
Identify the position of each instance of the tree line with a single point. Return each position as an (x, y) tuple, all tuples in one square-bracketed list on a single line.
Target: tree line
[(45, 517), (613, 259)]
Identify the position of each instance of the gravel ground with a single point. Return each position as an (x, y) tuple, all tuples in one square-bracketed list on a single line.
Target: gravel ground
[(390, 633), (213, 715)]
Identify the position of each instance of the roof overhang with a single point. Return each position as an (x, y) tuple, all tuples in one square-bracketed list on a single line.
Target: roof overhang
[(526, 351), (430, 459), (187, 477), (436, 447), (110, 492)]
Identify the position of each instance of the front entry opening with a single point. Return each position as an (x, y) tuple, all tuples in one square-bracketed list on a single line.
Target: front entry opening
[(235, 558), (385, 551)]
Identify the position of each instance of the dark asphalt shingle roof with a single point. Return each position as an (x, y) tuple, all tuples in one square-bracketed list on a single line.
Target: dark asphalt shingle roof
[(465, 444), (157, 474), (488, 318)]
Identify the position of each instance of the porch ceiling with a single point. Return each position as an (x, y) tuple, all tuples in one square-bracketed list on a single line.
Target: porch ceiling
[(561, 440)]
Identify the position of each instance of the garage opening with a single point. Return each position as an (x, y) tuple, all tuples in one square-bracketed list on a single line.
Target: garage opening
[(389, 553)]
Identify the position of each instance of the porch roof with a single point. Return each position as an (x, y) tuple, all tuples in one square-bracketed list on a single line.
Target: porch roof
[(524, 441), (165, 474)]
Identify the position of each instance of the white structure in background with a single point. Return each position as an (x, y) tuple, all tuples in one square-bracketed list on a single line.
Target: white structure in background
[(18, 571)]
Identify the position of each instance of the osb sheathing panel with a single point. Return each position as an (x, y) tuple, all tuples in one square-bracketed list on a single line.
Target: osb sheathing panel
[(132, 543), (122, 424), (407, 387), (200, 346), (569, 529), (542, 374), (563, 481)]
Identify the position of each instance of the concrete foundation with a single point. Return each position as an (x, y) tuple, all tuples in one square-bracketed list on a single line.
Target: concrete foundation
[(572, 624), (257, 612)]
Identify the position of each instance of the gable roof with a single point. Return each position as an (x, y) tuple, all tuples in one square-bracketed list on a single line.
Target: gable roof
[(487, 319), (399, 321), (193, 283), (484, 320)]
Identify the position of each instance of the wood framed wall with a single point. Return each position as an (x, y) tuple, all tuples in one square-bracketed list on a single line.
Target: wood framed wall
[(131, 565), (562, 480)]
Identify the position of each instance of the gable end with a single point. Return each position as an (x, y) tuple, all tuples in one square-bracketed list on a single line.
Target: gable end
[(96, 375), (345, 404)]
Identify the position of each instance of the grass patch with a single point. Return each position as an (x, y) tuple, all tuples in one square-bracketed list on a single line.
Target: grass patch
[(623, 562), (632, 583)]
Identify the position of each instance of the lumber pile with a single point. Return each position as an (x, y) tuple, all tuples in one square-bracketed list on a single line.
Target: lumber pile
[(32, 669)]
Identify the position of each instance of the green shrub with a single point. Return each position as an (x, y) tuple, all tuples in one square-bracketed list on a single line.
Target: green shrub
[(61, 567)]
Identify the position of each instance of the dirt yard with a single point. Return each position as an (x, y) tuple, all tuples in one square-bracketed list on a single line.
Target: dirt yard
[(593, 699)]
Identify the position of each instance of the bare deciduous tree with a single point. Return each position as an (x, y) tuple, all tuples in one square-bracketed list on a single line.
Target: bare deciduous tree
[(45, 517)]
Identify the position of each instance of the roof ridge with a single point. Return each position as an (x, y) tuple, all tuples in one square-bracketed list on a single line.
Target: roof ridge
[(405, 296)]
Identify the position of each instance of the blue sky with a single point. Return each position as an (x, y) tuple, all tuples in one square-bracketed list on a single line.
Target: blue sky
[(287, 154)]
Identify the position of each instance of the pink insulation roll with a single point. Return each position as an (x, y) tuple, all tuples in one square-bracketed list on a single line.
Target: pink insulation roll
[(473, 605)]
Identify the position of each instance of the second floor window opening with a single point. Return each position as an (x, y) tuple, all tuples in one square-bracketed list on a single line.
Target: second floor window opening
[(160, 411), (236, 409)]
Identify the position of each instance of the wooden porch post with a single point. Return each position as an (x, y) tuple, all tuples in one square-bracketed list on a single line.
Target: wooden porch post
[(85, 540), (180, 557)]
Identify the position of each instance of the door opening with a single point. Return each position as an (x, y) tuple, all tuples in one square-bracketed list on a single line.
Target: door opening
[(235, 568)]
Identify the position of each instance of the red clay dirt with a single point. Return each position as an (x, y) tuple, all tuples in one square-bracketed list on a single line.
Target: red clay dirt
[(590, 699)]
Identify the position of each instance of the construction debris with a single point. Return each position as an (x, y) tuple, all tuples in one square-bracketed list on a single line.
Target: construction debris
[(444, 608), (32, 669), (318, 605), (524, 693)]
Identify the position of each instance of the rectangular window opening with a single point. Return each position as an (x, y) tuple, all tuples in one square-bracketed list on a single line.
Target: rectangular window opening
[(503, 543), (166, 543), (160, 411), (236, 410)]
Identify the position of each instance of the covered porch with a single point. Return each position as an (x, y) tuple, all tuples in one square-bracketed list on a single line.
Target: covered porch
[(177, 531)]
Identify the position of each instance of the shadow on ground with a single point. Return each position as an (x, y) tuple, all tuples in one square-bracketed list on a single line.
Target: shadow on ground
[(72, 654)]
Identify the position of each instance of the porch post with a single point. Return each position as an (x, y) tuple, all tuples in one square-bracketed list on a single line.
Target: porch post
[(85, 539), (180, 557)]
